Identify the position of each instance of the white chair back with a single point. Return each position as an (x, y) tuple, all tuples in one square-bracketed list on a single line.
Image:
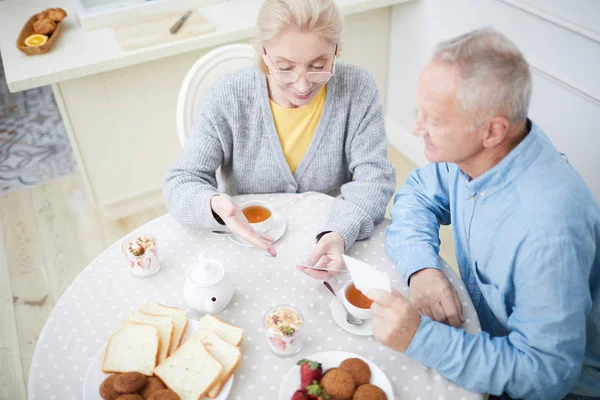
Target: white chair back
[(203, 74), (214, 64)]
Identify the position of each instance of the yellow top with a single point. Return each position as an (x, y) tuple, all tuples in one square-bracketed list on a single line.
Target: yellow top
[(297, 126)]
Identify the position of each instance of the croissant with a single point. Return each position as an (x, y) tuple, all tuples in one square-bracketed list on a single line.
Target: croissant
[(44, 26), (55, 14)]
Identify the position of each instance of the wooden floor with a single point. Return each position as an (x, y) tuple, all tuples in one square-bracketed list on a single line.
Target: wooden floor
[(48, 234)]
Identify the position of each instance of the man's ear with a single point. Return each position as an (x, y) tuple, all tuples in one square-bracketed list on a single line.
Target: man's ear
[(496, 131)]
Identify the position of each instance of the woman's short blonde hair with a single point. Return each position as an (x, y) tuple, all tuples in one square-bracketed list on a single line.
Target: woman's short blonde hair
[(319, 16)]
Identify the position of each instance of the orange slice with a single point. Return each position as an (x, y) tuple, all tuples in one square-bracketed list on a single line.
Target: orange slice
[(36, 40)]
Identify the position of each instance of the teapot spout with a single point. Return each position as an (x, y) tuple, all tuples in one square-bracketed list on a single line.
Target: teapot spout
[(210, 306)]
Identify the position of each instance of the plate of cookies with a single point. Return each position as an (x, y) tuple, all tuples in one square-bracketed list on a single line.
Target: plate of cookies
[(336, 375), (159, 354)]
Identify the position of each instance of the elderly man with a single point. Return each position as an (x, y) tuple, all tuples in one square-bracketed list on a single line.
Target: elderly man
[(526, 232)]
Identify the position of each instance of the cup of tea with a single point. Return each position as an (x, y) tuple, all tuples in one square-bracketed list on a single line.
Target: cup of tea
[(356, 302), (259, 214)]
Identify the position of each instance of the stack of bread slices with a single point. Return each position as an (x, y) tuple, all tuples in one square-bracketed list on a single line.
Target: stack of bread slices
[(150, 342)]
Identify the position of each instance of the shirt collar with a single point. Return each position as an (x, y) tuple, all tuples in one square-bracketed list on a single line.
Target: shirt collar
[(511, 166)]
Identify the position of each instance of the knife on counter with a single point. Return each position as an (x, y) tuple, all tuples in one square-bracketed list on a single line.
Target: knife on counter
[(180, 22)]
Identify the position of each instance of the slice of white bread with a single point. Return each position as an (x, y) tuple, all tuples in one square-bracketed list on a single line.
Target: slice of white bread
[(231, 333), (225, 353), (191, 371), (178, 316), (164, 326), (134, 347)]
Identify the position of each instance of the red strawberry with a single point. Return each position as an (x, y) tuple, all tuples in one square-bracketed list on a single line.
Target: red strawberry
[(309, 371), (316, 392), (299, 395), (277, 343)]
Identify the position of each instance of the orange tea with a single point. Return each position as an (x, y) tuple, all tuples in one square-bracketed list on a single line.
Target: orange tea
[(356, 298), (256, 214)]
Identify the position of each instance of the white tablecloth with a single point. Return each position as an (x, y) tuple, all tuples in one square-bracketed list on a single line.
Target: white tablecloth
[(105, 292)]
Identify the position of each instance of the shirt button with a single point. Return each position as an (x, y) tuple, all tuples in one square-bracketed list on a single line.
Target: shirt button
[(482, 194)]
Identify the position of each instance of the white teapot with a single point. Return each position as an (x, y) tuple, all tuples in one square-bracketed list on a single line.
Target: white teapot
[(208, 288)]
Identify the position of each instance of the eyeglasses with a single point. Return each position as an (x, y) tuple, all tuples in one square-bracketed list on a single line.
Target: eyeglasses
[(292, 76)]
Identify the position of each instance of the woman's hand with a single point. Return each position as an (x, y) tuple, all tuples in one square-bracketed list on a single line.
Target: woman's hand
[(232, 216), (327, 254)]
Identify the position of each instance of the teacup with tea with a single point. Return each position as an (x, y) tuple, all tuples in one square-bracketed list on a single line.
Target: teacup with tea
[(259, 214), (356, 302)]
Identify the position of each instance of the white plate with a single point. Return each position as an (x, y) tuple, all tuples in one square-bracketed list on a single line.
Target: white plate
[(276, 231), (339, 316), (332, 359), (94, 375)]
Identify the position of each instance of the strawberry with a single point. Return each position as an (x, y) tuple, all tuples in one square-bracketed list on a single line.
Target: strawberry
[(299, 395), (277, 343), (316, 392), (309, 371)]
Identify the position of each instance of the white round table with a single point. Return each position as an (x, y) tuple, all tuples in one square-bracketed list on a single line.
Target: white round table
[(104, 293)]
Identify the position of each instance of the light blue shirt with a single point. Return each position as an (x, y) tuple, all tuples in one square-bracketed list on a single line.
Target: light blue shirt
[(527, 240)]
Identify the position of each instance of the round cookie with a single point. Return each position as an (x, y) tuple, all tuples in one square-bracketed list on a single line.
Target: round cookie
[(130, 397), (154, 385), (165, 394), (130, 382), (338, 384), (360, 371), (107, 391), (369, 392)]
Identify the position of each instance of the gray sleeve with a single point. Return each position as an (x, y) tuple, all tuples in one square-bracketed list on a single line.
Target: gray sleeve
[(363, 200), (191, 181)]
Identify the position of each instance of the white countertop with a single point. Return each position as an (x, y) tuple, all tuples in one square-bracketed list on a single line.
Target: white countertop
[(79, 53)]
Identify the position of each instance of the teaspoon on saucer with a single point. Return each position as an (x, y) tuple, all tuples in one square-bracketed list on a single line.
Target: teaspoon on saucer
[(351, 319), (226, 233)]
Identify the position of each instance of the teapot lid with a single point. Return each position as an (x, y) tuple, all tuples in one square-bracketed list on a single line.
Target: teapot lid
[(205, 272)]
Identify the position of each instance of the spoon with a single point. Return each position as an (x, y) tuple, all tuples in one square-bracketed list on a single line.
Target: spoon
[(351, 319), (218, 232)]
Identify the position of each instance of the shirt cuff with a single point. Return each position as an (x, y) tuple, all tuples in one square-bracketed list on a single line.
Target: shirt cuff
[(429, 344), (416, 258), (205, 217), (348, 230), (217, 219)]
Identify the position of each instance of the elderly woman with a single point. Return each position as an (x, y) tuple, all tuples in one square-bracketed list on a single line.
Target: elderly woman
[(300, 123)]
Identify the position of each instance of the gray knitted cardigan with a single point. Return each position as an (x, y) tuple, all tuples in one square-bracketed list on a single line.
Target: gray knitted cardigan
[(234, 130)]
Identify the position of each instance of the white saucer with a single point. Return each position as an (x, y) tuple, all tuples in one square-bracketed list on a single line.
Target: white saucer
[(332, 359), (339, 316), (276, 232), (94, 375)]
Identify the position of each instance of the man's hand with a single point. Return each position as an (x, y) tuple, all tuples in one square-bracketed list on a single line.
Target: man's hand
[(327, 254), (434, 296), (237, 223), (395, 319)]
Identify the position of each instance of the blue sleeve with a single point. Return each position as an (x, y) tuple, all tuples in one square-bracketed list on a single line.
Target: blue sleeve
[(420, 206), (541, 358)]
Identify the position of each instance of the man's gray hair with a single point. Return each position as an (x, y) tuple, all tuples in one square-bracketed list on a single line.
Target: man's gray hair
[(496, 76)]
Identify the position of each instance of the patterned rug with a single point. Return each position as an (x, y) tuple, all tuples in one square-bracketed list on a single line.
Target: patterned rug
[(34, 146)]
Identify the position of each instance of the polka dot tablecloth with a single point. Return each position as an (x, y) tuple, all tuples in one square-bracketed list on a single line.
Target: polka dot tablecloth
[(105, 292)]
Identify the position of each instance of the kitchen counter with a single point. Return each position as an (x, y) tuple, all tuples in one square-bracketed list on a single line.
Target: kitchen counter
[(79, 53), (120, 105)]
